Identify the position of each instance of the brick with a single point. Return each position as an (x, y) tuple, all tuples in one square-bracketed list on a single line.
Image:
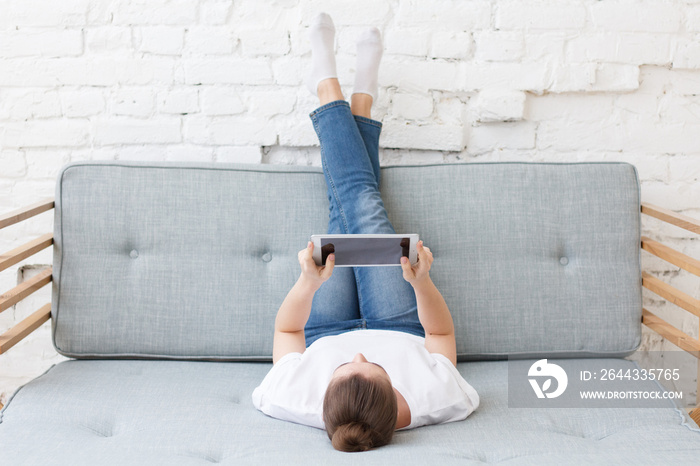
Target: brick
[(411, 106), (576, 77), (449, 109), (406, 42), (451, 44), (280, 155), (149, 12), (227, 71), (133, 102), (181, 101), (567, 135), (269, 102), (360, 13), (547, 45), (615, 77), (637, 103), (684, 169), (517, 14), (498, 45), (679, 197), (82, 102), (633, 15), (13, 164), (235, 130), (65, 13), (22, 104), (492, 105), (214, 11), (264, 42), (46, 163), (408, 135), (161, 40), (150, 70), (189, 153), (680, 109), (102, 71), (683, 82), (410, 157), (418, 75), (449, 15), (43, 43), (648, 135), (572, 106), (297, 130), (288, 70), (132, 131), (108, 39), (210, 40), (221, 100), (143, 152), (499, 136), (687, 55), (517, 76), (46, 133), (633, 48), (238, 154)]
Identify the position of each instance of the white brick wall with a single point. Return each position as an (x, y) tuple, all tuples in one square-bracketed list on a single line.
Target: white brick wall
[(461, 80)]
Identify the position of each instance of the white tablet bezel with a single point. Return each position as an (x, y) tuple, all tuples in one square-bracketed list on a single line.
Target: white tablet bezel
[(412, 252)]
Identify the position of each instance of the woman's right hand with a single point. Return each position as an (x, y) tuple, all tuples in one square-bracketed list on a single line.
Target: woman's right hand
[(417, 273), (316, 274)]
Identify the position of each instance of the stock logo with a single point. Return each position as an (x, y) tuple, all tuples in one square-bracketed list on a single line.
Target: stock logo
[(543, 370)]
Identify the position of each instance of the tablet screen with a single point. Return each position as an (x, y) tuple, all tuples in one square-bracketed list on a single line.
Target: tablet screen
[(365, 251)]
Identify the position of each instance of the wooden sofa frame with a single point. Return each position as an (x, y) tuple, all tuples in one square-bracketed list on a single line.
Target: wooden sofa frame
[(679, 338)]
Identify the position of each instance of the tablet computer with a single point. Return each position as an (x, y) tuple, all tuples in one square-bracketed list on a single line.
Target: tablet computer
[(365, 250)]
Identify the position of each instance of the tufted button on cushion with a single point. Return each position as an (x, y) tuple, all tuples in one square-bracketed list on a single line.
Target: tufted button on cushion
[(134, 254), (267, 257), (564, 260)]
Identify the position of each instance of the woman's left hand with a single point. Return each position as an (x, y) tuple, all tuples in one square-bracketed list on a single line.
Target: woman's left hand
[(316, 274)]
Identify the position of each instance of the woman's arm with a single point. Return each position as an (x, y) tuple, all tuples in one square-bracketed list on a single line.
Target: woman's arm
[(296, 307), (433, 312)]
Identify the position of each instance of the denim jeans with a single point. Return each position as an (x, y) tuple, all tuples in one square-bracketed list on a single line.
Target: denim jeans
[(357, 297)]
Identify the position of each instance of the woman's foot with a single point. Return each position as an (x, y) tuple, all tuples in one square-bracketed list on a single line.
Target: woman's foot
[(322, 37), (369, 55)]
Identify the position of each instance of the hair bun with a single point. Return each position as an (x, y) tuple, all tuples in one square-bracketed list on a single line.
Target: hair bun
[(353, 436)]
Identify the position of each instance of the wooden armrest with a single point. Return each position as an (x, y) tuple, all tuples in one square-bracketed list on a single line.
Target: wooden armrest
[(671, 294), (21, 291), (24, 328), (10, 258), (671, 217), (671, 255), (671, 333), (24, 213)]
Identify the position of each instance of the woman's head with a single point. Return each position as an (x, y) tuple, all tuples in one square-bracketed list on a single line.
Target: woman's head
[(360, 407)]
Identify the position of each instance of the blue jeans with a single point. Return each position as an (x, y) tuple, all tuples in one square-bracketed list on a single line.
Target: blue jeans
[(357, 297)]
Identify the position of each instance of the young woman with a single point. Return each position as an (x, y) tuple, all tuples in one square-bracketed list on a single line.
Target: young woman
[(360, 351)]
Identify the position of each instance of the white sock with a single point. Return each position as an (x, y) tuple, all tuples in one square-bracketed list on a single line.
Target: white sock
[(369, 54), (322, 37)]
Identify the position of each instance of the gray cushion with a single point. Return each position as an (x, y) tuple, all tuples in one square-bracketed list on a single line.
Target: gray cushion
[(178, 260), (187, 413)]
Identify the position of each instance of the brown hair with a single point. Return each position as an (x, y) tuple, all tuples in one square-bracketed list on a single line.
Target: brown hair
[(359, 413)]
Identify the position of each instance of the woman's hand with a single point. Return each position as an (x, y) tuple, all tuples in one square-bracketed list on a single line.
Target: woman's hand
[(315, 274), (416, 274)]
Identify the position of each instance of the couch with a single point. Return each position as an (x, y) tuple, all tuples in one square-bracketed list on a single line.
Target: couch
[(166, 278)]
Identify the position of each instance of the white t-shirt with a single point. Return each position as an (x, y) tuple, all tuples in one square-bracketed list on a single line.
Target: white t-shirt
[(435, 391)]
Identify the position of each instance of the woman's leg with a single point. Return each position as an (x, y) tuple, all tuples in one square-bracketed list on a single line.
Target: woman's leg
[(361, 107), (335, 307), (386, 300)]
